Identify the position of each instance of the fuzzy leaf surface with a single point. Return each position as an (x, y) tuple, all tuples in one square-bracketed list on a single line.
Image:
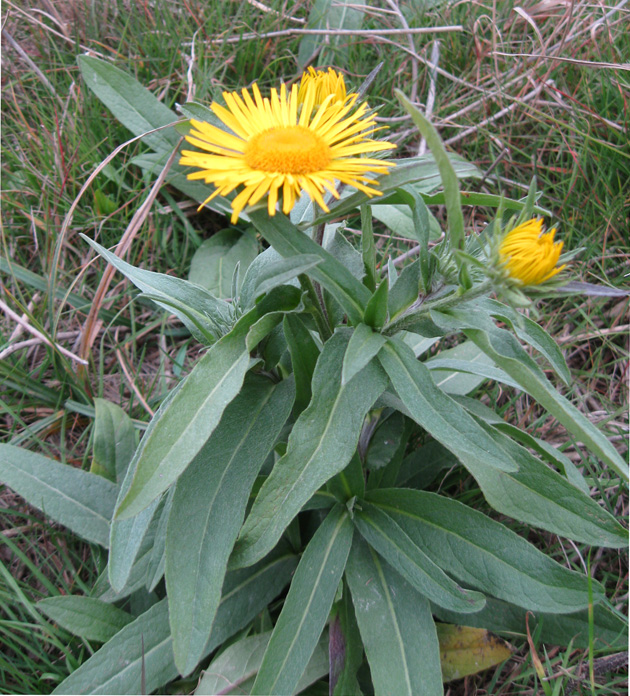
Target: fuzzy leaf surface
[(79, 500), (396, 626), (406, 556), (307, 606), (116, 667), (484, 553), (209, 508), (321, 444)]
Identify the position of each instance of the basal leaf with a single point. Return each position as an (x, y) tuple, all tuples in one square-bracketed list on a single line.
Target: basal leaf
[(407, 557), (396, 626), (85, 617), (130, 102), (114, 441), (307, 606), (81, 501), (116, 668), (209, 508), (483, 553)]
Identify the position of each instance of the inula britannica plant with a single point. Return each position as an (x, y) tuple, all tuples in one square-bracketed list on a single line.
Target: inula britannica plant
[(290, 518)]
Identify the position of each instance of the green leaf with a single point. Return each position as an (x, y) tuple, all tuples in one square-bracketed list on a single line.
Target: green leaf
[(530, 332), (396, 626), (376, 309), (85, 617), (538, 495), (368, 249), (387, 439), (196, 409), (507, 353), (326, 14), (322, 442), (438, 414), (152, 164), (406, 556), (288, 241), (465, 650), (209, 508), (423, 172), (548, 452), (114, 441), (405, 290), (116, 668), (215, 261), (307, 605), (422, 466), (345, 648), (364, 345), (483, 553), (131, 103), (202, 313), (81, 501), (610, 631), (127, 535), (452, 198), (304, 353), (269, 270), (462, 369), (234, 670)]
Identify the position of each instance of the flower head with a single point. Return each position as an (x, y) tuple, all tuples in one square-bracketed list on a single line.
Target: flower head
[(324, 83), (529, 254), (271, 145)]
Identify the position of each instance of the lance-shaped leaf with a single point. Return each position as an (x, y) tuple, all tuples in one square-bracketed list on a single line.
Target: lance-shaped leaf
[(201, 312), (610, 629), (363, 346), (321, 444), (452, 197), (530, 332), (209, 508), (304, 353), (268, 270), (196, 409), (396, 626), (130, 102), (540, 496), (307, 606), (81, 501), (421, 171), (438, 414), (509, 354), (85, 617), (345, 648), (484, 553), (405, 555), (288, 241), (127, 535), (114, 441), (235, 669), (117, 667)]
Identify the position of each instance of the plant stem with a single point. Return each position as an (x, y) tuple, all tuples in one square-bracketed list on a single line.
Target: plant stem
[(319, 311), (443, 303)]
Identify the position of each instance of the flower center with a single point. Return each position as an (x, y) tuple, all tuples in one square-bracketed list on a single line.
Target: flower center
[(287, 150)]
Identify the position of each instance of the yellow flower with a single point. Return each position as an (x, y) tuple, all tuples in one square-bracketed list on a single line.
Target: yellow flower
[(529, 254), (267, 147), (324, 84)]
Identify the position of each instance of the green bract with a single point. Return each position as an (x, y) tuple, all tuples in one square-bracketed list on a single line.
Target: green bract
[(286, 476)]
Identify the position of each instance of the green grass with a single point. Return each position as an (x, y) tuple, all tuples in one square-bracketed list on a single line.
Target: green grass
[(572, 134)]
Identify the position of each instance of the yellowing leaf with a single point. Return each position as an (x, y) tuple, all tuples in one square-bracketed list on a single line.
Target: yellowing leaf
[(465, 650)]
